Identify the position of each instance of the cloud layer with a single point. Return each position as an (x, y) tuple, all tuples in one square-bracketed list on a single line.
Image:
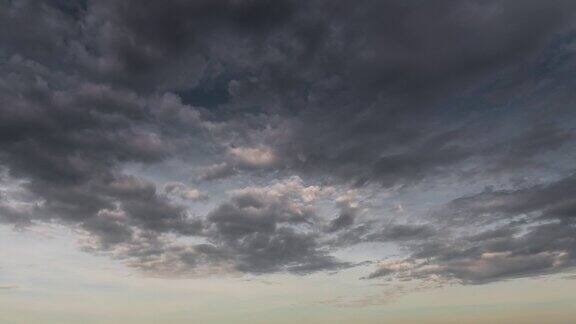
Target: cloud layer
[(297, 128)]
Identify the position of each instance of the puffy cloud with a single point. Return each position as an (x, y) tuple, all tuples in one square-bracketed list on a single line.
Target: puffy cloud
[(218, 171), (182, 191), (253, 157), (348, 211), (259, 230), (240, 159), (272, 229)]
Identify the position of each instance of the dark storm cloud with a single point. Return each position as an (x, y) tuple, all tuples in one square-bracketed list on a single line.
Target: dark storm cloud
[(66, 143), (259, 230), (270, 229), (348, 211), (402, 232), (530, 231), (377, 95), (406, 127), (548, 201), (370, 232), (172, 44)]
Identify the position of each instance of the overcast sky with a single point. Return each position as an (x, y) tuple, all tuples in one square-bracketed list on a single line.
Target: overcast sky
[(317, 161)]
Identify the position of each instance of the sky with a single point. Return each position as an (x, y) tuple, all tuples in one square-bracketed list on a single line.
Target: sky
[(286, 161)]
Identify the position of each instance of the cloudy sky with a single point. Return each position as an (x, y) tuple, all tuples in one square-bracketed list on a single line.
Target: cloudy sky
[(319, 161)]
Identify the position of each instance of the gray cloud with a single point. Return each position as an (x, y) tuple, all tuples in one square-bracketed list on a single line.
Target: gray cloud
[(259, 230), (394, 98), (184, 192), (272, 229), (526, 232)]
